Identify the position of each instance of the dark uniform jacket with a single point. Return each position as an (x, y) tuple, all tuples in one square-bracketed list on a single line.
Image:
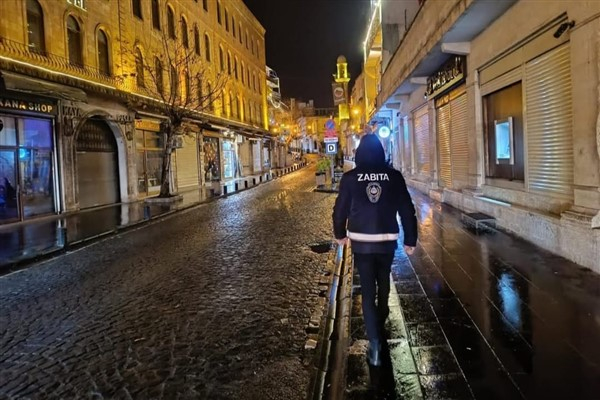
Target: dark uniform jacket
[(370, 198)]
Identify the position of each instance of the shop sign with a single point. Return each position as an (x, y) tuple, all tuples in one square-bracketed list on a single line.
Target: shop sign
[(78, 3), (147, 125), (452, 72), (14, 104)]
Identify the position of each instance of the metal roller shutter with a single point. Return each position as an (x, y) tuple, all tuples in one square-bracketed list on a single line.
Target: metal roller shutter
[(408, 167), (459, 143), (421, 121), (502, 81), (187, 164), (549, 124), (443, 131)]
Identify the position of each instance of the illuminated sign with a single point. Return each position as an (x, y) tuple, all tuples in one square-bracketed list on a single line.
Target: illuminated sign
[(78, 3), (383, 132), (27, 106), (452, 72)]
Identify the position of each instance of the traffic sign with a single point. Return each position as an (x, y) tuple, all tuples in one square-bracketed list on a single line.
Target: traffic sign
[(330, 148), (330, 139), (330, 124)]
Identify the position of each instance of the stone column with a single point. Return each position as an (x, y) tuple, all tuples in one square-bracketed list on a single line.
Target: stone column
[(596, 219)]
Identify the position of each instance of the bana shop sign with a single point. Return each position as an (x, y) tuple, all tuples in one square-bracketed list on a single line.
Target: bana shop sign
[(22, 105)]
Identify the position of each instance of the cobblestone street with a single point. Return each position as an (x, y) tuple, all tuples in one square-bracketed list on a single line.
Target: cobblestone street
[(210, 303)]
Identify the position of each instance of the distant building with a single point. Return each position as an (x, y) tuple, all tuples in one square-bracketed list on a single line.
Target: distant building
[(80, 128)]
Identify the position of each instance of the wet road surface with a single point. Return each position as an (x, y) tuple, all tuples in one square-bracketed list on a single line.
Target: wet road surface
[(483, 316), (211, 303)]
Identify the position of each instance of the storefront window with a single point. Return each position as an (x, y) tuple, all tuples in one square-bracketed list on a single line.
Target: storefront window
[(26, 164), (229, 159), (212, 159), (149, 146), (504, 127)]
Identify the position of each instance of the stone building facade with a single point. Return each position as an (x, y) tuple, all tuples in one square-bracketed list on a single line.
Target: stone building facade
[(80, 127), (495, 108)]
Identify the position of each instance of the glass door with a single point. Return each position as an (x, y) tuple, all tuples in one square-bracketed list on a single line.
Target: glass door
[(9, 199)]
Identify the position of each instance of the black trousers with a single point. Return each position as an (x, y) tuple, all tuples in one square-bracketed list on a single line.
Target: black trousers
[(374, 271)]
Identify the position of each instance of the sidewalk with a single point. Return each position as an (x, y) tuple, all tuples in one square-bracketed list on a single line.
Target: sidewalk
[(29, 241), (485, 316)]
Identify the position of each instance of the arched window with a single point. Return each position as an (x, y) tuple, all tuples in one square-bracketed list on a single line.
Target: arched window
[(74, 42), (240, 32), (207, 47), (223, 106), (221, 59), (136, 5), (188, 88), (219, 13), (231, 104), (174, 82), (210, 97), (103, 53), (205, 5), (229, 63), (242, 71), (35, 27), (226, 20), (184, 33), (155, 15), (200, 93), (233, 25), (197, 40), (158, 76), (238, 111), (139, 68), (257, 49), (170, 23), (235, 68)]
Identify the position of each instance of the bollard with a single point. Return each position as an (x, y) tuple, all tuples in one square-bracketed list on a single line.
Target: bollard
[(237, 187), (245, 184), (225, 190), (147, 211), (253, 181), (260, 179)]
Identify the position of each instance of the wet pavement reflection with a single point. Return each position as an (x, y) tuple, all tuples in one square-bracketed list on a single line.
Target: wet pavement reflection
[(487, 316)]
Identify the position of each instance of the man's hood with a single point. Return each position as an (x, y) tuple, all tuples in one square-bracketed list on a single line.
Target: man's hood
[(369, 152)]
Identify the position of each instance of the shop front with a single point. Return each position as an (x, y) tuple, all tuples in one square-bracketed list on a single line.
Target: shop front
[(149, 143), (528, 117), (211, 157), (28, 172), (447, 88), (97, 158), (187, 160)]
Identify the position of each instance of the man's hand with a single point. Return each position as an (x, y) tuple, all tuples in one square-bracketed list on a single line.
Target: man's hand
[(342, 242), (409, 250)]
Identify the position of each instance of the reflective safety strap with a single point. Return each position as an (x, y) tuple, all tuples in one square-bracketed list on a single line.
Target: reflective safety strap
[(373, 237)]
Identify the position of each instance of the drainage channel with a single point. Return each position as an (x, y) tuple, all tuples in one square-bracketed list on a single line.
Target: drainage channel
[(329, 382)]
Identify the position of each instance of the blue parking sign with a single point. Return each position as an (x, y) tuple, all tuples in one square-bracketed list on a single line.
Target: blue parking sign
[(331, 148)]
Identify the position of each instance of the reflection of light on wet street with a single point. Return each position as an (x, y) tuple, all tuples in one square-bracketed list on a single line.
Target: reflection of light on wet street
[(511, 303)]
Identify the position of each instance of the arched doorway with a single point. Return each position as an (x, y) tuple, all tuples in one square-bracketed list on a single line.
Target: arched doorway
[(97, 164)]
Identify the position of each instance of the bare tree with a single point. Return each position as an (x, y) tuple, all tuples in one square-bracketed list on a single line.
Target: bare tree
[(188, 93)]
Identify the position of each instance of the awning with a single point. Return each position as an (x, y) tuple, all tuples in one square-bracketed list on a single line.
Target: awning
[(38, 87)]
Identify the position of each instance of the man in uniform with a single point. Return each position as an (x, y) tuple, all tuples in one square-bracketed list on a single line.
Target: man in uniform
[(370, 197)]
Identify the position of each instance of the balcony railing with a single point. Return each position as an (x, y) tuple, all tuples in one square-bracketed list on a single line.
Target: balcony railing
[(22, 52)]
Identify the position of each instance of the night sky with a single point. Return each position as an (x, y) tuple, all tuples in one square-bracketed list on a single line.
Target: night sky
[(304, 39)]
